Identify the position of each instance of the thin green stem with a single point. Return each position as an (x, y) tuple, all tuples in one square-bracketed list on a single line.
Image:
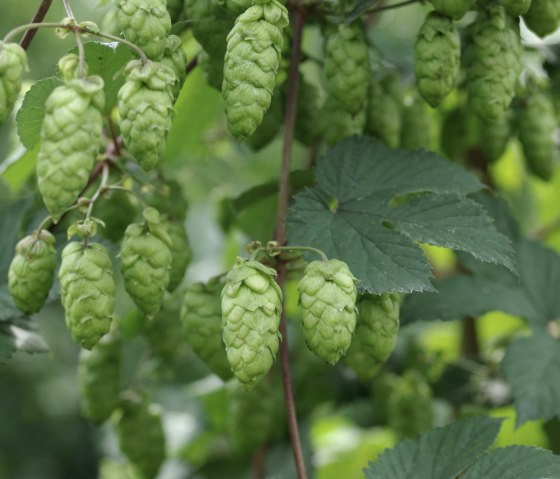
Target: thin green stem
[(302, 248), (100, 190), (44, 223), (137, 195), (130, 45), (31, 26)]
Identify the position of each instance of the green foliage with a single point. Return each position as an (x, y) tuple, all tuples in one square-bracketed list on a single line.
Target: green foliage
[(163, 331), (455, 9), (543, 17)]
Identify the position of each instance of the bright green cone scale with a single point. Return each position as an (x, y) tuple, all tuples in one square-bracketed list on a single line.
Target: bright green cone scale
[(31, 272), (70, 140), (515, 7), (180, 252), (251, 306), (13, 62), (327, 295), (543, 17), (146, 262), (347, 67), (336, 123), (99, 377), (146, 110), (252, 60), (437, 58), (145, 23), (383, 115), (175, 58), (455, 9), (375, 335), (88, 291), (201, 318), (415, 125)]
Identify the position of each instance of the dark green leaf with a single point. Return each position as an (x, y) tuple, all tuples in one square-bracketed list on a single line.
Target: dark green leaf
[(21, 335)]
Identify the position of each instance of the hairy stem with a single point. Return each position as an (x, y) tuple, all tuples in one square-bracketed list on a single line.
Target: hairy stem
[(280, 237), (37, 18)]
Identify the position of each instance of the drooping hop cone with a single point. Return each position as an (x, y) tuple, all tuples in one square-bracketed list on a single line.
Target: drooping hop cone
[(146, 262), (375, 335), (383, 115), (175, 8), (31, 272), (515, 7), (415, 124), (543, 17), (455, 9), (99, 375), (70, 140), (347, 66), (254, 48), (437, 58), (492, 61), (494, 136), (146, 110), (13, 62), (251, 306), (327, 295), (145, 23), (180, 252), (536, 125), (336, 123), (140, 433), (201, 318), (88, 291), (175, 58)]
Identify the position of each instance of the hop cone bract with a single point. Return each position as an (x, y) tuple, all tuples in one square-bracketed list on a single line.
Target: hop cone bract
[(415, 125), (543, 17), (383, 115), (515, 7), (455, 9), (163, 331), (13, 62), (494, 136), (175, 58), (180, 252), (336, 123)]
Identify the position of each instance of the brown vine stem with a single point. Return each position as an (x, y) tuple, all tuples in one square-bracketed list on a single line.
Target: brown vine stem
[(37, 18), (280, 236)]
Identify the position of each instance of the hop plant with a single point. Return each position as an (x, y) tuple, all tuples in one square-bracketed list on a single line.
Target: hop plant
[(376, 334), (87, 290), (455, 9), (347, 67), (306, 129), (515, 7), (116, 210), (459, 132), (145, 23), (99, 378), (492, 59), (438, 58), (13, 62), (536, 124), (175, 58), (270, 125), (146, 110), (327, 295), (201, 318), (543, 17), (494, 136), (213, 69), (383, 115), (251, 305), (175, 8), (415, 125), (70, 140), (31, 272), (140, 433), (167, 197), (146, 262), (255, 40), (180, 252), (336, 123), (163, 332)]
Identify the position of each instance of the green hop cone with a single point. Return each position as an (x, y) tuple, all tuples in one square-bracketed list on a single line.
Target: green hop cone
[(437, 58), (376, 334), (145, 23), (536, 125), (347, 67), (140, 433), (415, 125), (459, 132), (251, 305), (336, 123), (31, 272), (146, 262), (494, 137), (251, 63), (236, 6), (213, 69), (175, 8), (327, 295), (163, 332), (70, 140), (88, 291), (201, 318), (99, 376), (515, 7), (543, 17), (270, 125), (13, 62), (110, 23), (492, 60), (306, 129), (146, 110), (175, 58), (181, 253), (383, 115), (167, 197), (116, 210), (455, 9)]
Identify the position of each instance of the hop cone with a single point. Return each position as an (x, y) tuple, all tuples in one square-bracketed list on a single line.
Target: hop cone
[(31, 272), (455, 9), (175, 58), (409, 406), (13, 62), (70, 140), (236, 6), (213, 69), (375, 336), (146, 262), (306, 129), (336, 123), (251, 305), (175, 8), (181, 253), (88, 291), (254, 48), (438, 58), (117, 211), (543, 17), (347, 67), (167, 197), (145, 23), (536, 126), (415, 125), (99, 378), (492, 60), (201, 317), (270, 125), (327, 295), (110, 22), (163, 332), (383, 116), (146, 110), (494, 137), (459, 132), (140, 432), (515, 7)]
